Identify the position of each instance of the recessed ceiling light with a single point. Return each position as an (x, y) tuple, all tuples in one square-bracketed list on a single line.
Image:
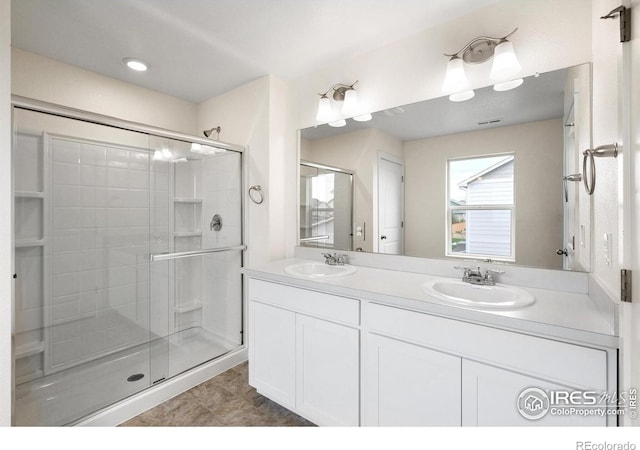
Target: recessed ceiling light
[(135, 64)]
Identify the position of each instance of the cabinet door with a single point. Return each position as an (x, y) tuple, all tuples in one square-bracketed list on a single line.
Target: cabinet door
[(410, 385), (328, 388), (490, 398), (272, 356)]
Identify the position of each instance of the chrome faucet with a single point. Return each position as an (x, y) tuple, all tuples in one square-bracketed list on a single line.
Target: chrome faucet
[(335, 259), (476, 277)]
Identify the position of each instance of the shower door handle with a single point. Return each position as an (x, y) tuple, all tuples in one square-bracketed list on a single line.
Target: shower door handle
[(167, 256)]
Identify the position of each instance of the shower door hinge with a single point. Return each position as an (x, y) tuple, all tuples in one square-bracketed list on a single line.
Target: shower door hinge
[(625, 21), (625, 285)]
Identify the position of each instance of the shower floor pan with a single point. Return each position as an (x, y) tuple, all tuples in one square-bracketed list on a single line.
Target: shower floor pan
[(69, 395)]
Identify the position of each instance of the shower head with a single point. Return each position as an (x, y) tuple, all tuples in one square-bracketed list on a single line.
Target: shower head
[(207, 133)]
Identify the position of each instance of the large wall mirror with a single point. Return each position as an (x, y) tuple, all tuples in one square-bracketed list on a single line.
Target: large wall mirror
[(496, 177)]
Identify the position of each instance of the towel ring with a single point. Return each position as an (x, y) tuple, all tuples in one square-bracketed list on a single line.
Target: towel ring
[(255, 194), (603, 151)]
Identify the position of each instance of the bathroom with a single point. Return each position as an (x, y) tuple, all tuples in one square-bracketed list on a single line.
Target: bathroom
[(263, 112)]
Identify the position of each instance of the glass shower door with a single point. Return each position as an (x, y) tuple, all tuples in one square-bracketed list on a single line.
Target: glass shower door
[(81, 244), (196, 255)]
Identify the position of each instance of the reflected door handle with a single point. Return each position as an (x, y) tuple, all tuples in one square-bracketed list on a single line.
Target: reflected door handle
[(383, 237), (562, 251)]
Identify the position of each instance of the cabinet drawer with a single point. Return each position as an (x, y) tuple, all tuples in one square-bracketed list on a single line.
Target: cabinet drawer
[(327, 306), (563, 363)]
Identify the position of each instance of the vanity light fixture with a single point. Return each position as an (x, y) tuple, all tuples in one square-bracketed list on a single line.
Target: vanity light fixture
[(338, 123), (136, 64), (341, 93), (363, 117), (479, 50)]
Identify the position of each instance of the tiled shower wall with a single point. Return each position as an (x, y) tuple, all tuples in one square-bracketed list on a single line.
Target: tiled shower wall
[(100, 242)]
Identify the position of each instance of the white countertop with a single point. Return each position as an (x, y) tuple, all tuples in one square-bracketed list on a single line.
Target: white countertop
[(555, 314)]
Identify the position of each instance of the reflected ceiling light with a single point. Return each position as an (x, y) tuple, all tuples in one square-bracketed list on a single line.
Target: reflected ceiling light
[(136, 64), (196, 148), (363, 117), (341, 93), (338, 123), (481, 49)]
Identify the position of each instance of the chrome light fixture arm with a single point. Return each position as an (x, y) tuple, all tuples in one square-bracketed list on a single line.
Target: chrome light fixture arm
[(480, 49)]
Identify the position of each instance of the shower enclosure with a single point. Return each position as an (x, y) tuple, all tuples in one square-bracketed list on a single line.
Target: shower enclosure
[(128, 249)]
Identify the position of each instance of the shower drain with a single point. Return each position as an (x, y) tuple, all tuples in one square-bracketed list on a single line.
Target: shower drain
[(135, 377)]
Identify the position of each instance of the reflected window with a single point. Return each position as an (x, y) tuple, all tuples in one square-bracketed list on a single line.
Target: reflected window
[(481, 207)]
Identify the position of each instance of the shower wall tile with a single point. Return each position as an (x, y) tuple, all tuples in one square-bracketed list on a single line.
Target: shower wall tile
[(67, 196), (94, 155), (100, 237), (67, 174), (66, 151)]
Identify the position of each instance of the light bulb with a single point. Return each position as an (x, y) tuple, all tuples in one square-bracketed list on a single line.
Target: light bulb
[(505, 63), (136, 64), (338, 123), (508, 85), (462, 96), (455, 79), (363, 117), (324, 109), (350, 105)]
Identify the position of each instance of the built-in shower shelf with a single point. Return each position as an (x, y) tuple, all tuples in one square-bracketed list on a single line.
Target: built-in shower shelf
[(31, 349), (29, 377), (24, 243), (187, 233), (29, 194), (187, 200), (188, 307)]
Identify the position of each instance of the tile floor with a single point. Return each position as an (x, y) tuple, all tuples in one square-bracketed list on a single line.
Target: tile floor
[(225, 400)]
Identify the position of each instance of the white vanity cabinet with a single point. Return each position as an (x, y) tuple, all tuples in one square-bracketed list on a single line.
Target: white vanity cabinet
[(304, 351), (426, 370)]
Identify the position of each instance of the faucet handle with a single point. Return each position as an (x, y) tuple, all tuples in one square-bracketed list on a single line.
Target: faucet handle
[(467, 270)]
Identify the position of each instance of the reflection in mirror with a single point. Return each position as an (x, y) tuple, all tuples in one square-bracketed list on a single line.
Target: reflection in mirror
[(490, 178), (326, 206)]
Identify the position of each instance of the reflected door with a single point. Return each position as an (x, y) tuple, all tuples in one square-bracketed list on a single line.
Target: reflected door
[(390, 206)]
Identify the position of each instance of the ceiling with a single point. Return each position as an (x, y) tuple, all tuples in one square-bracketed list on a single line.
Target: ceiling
[(198, 49), (540, 97)]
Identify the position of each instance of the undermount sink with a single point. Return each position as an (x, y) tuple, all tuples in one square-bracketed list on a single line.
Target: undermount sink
[(319, 270), (499, 296)]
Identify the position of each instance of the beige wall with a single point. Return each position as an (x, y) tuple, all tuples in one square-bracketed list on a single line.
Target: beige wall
[(6, 226), (358, 152), (254, 115), (538, 174), (45, 79)]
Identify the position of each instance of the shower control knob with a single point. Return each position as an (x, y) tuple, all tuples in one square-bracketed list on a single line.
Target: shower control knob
[(562, 251), (383, 237)]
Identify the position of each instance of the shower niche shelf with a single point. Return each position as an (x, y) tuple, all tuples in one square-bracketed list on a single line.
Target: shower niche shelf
[(29, 194), (187, 233), (188, 307)]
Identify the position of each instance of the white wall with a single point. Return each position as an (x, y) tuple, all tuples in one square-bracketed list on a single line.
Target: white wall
[(358, 152), (538, 159), (51, 81), (6, 257)]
